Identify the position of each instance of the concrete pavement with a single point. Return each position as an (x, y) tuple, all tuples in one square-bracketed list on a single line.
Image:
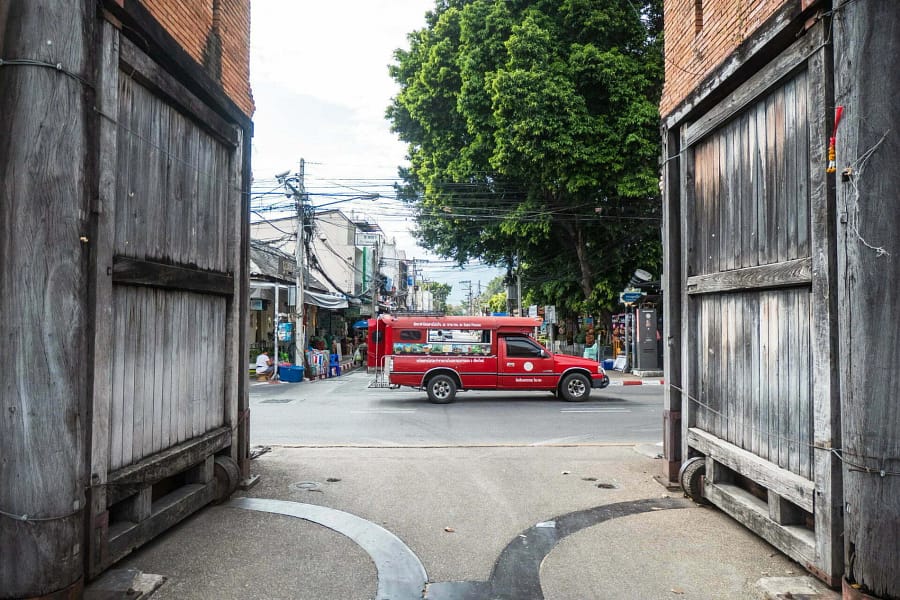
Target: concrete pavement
[(510, 522), (506, 522)]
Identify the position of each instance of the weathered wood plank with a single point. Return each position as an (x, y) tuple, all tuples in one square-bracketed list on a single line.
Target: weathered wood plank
[(160, 365), (733, 397), (148, 370), (784, 274), (766, 78), (795, 541), (736, 197), (762, 178), (699, 241), (825, 401), (802, 161), (171, 461), (805, 383), (771, 182), (147, 72), (789, 159), (716, 375), (701, 359), (147, 273), (789, 365), (780, 199), (757, 374), (723, 205), (747, 228), (789, 485), (687, 202), (104, 329)]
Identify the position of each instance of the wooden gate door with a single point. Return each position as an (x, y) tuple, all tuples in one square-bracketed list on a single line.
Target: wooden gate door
[(758, 306), (168, 298)]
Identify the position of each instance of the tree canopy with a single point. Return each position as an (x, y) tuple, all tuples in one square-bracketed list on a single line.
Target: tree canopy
[(533, 137)]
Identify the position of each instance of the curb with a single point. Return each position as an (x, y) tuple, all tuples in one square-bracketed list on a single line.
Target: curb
[(636, 382)]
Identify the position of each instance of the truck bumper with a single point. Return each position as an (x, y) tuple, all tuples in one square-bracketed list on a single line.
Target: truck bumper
[(600, 382)]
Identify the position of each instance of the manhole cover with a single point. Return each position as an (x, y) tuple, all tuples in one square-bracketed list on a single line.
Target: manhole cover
[(276, 401), (305, 486)]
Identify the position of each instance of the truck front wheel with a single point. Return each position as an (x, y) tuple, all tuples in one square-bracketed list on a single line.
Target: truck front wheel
[(575, 387), (441, 389)]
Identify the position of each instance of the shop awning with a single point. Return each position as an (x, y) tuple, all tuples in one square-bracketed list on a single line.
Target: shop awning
[(325, 300)]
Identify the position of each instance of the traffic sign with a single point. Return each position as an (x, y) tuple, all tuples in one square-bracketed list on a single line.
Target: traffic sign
[(629, 297)]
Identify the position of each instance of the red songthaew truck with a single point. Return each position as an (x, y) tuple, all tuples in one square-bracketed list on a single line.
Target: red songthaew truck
[(445, 354)]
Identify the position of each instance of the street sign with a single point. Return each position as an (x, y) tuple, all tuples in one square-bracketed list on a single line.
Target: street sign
[(532, 310), (629, 297)]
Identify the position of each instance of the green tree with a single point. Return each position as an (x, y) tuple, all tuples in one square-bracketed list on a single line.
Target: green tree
[(533, 137)]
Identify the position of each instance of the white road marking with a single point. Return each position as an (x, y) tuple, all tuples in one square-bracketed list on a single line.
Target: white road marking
[(385, 411), (594, 410)]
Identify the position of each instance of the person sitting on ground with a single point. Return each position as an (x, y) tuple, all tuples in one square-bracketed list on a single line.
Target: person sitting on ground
[(265, 366)]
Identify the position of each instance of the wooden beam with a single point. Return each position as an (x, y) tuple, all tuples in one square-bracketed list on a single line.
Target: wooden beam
[(101, 284), (687, 204), (143, 272), (824, 336), (172, 508), (795, 541), (784, 274), (672, 307), (759, 84), (174, 460), (789, 485), (148, 73)]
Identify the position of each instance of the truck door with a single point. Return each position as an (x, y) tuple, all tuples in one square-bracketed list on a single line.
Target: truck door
[(524, 364)]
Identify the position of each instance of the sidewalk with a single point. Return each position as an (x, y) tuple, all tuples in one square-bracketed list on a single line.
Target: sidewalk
[(514, 523)]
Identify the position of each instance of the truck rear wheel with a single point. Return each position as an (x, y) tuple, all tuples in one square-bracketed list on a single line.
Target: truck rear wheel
[(575, 387), (441, 389)]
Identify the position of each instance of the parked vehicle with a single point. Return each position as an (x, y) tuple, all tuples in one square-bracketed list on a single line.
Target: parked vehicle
[(444, 355)]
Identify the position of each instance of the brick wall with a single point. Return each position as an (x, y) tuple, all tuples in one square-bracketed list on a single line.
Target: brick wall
[(695, 46), (221, 45)]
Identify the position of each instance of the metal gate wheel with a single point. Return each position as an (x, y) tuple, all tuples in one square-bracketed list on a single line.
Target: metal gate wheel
[(227, 475), (691, 477)]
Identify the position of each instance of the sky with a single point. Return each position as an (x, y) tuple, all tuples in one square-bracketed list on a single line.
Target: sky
[(319, 73)]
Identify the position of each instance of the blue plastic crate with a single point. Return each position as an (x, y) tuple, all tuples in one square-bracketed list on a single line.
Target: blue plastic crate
[(292, 374)]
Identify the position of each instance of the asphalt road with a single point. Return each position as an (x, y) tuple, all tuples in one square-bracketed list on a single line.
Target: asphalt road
[(344, 411)]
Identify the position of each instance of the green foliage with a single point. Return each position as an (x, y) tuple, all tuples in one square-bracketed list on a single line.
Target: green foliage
[(497, 302), (533, 135)]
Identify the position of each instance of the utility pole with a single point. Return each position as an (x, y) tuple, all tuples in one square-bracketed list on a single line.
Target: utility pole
[(375, 280), (479, 298), (411, 289), (519, 285), (299, 193), (468, 286), (300, 342)]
